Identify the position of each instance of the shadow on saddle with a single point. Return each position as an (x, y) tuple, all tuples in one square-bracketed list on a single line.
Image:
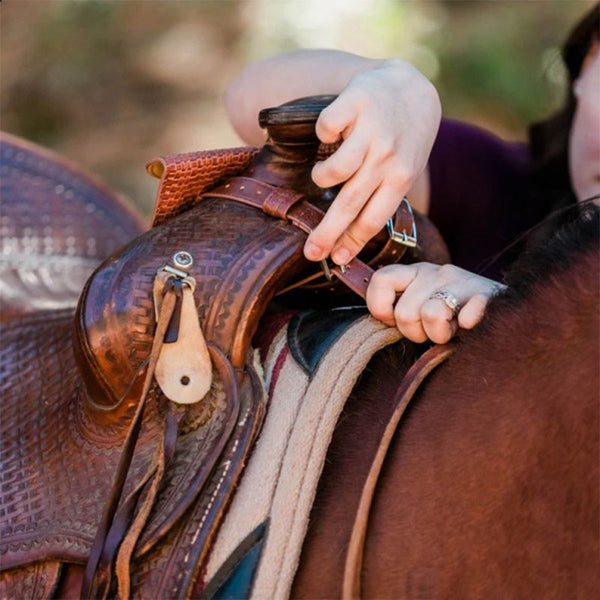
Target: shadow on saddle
[(126, 429)]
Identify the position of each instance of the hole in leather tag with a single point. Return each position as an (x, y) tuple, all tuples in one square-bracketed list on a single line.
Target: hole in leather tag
[(184, 367)]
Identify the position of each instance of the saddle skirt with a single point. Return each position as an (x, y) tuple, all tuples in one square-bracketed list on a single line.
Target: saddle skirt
[(58, 223)]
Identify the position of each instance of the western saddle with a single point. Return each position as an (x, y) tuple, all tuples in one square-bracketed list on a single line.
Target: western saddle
[(126, 421)]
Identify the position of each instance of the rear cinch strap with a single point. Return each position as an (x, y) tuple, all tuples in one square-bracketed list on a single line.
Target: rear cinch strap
[(410, 384)]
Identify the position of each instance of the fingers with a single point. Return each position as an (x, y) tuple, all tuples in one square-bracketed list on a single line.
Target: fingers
[(409, 323), (363, 205), (371, 219), (342, 164), (387, 118), (368, 165), (383, 289), (335, 119), (341, 213), (438, 321), (417, 314), (473, 310)]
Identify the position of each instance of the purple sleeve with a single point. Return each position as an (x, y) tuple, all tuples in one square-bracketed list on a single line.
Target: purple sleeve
[(481, 195)]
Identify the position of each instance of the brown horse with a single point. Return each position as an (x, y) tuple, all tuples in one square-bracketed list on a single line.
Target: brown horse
[(490, 489)]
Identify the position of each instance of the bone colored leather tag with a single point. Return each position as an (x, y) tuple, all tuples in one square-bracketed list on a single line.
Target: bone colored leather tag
[(184, 368)]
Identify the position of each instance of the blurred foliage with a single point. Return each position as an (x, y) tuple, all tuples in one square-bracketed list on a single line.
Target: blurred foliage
[(112, 84)]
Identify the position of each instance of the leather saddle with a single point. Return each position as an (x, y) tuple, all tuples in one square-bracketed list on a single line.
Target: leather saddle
[(120, 448)]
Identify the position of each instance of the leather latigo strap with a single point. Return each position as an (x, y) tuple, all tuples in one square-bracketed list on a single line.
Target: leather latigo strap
[(291, 206), (429, 360)]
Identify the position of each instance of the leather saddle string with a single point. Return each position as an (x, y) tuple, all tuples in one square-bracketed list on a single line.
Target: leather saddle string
[(96, 569), (164, 453), (410, 384), (119, 528)]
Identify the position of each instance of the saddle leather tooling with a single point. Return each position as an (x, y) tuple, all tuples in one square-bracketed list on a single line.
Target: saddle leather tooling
[(114, 456), (57, 225)]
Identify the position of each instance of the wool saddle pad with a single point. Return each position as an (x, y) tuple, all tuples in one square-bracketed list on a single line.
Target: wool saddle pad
[(280, 481)]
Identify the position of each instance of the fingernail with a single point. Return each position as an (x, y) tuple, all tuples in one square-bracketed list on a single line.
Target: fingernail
[(341, 256), (312, 251)]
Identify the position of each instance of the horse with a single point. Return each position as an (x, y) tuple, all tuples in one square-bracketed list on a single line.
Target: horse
[(490, 484), (490, 488)]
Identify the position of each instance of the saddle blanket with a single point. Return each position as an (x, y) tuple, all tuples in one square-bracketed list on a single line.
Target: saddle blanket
[(264, 530)]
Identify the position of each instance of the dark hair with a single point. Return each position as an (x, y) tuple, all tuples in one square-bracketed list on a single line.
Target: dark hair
[(549, 139)]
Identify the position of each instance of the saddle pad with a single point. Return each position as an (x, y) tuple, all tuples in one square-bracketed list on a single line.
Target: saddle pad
[(281, 478)]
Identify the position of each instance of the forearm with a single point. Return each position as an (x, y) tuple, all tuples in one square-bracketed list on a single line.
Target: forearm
[(284, 77)]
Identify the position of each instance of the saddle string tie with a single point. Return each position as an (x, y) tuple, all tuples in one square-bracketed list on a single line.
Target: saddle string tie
[(175, 286), (164, 453), (96, 579)]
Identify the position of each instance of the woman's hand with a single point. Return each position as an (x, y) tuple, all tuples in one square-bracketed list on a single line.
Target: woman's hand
[(388, 118), (417, 314), (387, 114)]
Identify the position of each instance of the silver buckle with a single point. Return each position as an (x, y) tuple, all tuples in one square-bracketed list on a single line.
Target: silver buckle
[(401, 237)]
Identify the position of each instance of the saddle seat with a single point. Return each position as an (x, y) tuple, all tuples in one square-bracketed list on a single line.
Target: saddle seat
[(58, 224)]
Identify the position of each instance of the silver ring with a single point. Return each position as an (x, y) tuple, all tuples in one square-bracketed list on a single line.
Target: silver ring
[(450, 300)]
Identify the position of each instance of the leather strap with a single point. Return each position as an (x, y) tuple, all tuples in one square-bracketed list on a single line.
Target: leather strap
[(97, 573), (291, 206), (162, 456), (410, 384)]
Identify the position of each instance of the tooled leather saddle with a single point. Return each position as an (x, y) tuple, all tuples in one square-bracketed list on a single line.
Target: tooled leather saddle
[(127, 421)]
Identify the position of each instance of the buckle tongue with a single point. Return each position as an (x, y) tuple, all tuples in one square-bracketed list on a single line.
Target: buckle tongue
[(326, 270)]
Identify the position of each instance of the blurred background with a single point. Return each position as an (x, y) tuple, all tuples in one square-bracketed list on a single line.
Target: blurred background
[(112, 84)]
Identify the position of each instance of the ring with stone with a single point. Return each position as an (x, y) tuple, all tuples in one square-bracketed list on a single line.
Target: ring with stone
[(450, 300)]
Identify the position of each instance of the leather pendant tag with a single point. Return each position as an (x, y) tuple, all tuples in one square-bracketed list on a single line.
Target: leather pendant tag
[(184, 368)]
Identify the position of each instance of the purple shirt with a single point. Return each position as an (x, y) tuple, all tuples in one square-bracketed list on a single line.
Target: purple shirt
[(482, 195)]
